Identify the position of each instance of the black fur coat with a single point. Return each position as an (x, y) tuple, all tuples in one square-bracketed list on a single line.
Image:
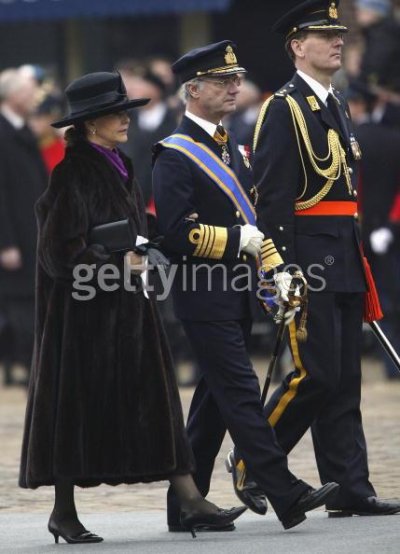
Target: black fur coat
[(103, 405)]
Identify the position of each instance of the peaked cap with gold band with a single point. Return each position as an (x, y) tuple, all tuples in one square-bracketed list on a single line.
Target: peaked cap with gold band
[(217, 59), (312, 15)]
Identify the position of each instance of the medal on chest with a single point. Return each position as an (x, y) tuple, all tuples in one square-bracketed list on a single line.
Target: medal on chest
[(355, 148), (254, 195), (226, 158)]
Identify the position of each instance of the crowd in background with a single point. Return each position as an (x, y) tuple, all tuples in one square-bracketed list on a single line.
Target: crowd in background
[(30, 100)]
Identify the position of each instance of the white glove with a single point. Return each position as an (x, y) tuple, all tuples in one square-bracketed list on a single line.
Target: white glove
[(282, 283), (380, 240), (283, 280), (145, 274), (250, 239)]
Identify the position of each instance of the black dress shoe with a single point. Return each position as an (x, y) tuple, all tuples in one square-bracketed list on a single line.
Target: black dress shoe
[(370, 506), (195, 521), (311, 499), (84, 536), (245, 489)]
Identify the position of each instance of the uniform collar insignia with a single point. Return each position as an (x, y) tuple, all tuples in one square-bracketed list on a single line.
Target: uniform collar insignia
[(313, 103)]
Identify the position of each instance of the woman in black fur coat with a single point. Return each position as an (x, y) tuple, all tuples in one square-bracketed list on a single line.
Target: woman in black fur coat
[(103, 405)]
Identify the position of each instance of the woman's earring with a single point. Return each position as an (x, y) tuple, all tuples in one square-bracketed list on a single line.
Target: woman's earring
[(93, 131)]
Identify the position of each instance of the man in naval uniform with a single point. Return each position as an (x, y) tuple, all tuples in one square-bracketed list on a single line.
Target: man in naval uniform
[(305, 151), (203, 195)]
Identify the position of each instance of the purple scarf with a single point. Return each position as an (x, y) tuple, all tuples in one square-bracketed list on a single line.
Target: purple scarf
[(114, 158)]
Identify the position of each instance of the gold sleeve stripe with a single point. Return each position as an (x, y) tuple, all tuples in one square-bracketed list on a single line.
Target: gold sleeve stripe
[(268, 246), (271, 261), (267, 255), (221, 240), (202, 245), (210, 241), (268, 249)]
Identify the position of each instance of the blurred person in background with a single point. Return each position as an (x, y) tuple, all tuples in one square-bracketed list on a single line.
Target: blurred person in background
[(51, 142), (379, 184), (161, 66), (352, 58), (380, 65), (150, 124), (23, 178), (381, 33), (243, 121), (34, 72)]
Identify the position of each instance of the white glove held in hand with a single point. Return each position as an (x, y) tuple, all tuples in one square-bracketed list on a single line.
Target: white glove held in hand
[(380, 240), (282, 283), (250, 239)]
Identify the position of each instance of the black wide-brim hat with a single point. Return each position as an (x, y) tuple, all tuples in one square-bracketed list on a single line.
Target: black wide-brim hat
[(94, 95), (312, 15), (217, 59)]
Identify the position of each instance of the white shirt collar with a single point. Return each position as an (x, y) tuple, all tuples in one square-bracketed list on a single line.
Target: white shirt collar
[(208, 127), (319, 89), (14, 119)]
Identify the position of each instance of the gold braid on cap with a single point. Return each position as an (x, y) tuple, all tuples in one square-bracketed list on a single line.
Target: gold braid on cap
[(217, 69)]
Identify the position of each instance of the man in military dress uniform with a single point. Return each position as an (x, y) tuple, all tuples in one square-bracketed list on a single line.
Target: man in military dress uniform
[(305, 151), (202, 189)]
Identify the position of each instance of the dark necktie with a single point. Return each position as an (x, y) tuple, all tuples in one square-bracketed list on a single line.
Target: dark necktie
[(26, 134), (334, 109), (221, 137)]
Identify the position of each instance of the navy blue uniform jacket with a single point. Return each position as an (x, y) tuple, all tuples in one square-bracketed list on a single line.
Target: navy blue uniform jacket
[(210, 268), (326, 246)]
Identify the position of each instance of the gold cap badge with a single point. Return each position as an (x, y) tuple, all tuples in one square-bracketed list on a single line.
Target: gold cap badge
[(333, 13), (230, 57)]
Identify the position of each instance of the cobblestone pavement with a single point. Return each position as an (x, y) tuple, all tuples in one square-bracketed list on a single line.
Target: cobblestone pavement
[(381, 413)]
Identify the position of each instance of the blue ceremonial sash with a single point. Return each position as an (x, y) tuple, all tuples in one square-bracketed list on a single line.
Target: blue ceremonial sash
[(217, 170)]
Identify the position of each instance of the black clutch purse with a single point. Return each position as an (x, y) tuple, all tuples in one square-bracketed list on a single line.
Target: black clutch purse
[(115, 236)]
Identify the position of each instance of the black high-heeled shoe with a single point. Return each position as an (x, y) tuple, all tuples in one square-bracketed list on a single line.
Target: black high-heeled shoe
[(194, 521), (84, 536)]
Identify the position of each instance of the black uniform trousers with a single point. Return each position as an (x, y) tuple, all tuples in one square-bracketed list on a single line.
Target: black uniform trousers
[(228, 397), (324, 392)]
